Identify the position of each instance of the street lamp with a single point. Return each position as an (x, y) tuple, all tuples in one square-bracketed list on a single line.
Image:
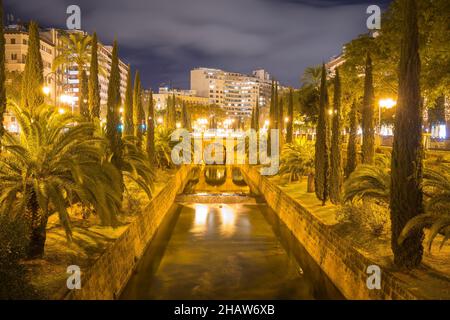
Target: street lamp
[(385, 104)]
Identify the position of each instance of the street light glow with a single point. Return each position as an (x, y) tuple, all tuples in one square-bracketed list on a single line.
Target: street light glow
[(387, 103), (46, 90)]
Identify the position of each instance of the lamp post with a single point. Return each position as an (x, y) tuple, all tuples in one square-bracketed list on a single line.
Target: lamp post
[(46, 88)]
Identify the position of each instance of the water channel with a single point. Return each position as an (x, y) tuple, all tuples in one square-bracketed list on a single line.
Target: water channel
[(219, 241)]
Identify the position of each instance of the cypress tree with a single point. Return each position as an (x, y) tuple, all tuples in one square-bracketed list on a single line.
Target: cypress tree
[(368, 146), (290, 123), (93, 85), (321, 148), (185, 119), (128, 107), (33, 74), (406, 168), (138, 111), (2, 75), (336, 145), (113, 113), (83, 97), (352, 140), (281, 120), (151, 131), (256, 124), (171, 114)]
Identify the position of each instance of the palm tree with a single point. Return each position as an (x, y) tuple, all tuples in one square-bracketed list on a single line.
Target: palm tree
[(297, 159), (163, 148), (75, 49), (437, 217), (369, 181), (51, 165), (312, 76)]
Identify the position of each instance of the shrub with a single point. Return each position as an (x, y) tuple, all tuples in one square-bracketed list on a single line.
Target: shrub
[(368, 215), (13, 245)]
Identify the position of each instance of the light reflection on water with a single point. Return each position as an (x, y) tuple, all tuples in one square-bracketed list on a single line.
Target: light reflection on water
[(226, 251)]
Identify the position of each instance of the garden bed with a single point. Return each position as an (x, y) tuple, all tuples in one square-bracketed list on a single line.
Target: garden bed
[(430, 281), (48, 275)]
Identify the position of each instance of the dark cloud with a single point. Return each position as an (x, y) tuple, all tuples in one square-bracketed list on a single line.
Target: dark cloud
[(165, 39)]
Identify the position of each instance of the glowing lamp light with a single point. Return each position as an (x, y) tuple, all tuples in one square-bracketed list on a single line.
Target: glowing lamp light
[(178, 125), (387, 103), (121, 110), (286, 119), (160, 120), (61, 111), (46, 90)]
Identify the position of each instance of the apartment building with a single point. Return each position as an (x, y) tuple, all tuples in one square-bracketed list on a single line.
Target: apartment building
[(237, 93), (63, 81)]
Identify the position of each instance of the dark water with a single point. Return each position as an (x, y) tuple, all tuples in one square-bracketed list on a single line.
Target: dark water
[(228, 251)]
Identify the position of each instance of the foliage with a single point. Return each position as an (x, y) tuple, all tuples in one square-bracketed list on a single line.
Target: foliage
[(75, 49), (113, 112), (33, 75), (352, 141), (13, 244), (150, 136), (297, 159), (368, 214), (163, 148), (94, 86), (135, 165), (437, 217), (138, 110), (321, 164), (290, 117), (51, 165), (369, 182), (368, 146), (406, 199), (2, 75), (336, 172), (128, 120)]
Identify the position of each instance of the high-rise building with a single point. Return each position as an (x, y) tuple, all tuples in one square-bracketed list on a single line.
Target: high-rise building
[(62, 82), (237, 93)]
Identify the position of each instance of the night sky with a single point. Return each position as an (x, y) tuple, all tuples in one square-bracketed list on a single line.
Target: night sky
[(164, 39)]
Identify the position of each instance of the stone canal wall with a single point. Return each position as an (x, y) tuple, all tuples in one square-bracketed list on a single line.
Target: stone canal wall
[(109, 274), (344, 265)]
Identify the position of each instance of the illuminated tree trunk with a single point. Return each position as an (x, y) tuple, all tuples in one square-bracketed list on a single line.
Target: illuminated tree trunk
[(321, 162), (336, 145), (368, 146), (406, 177)]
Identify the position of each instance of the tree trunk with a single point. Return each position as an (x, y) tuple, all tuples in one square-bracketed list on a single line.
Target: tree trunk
[(38, 225), (310, 188), (406, 178)]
